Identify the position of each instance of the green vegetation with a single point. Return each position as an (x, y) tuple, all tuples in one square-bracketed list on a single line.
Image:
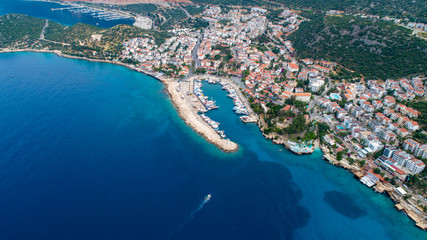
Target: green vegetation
[(421, 106), (298, 125), (322, 129), (22, 31), (418, 181), (19, 29), (194, 9), (340, 155), (343, 73), (293, 102), (273, 15), (396, 8), (196, 23), (200, 71), (378, 50), (140, 8), (120, 33), (225, 52), (72, 35), (174, 16), (422, 34)]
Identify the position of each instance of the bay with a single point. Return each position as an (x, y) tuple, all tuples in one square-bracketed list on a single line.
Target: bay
[(43, 10), (96, 151)]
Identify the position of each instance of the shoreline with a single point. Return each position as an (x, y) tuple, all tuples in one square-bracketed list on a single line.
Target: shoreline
[(385, 188), (191, 118), (188, 114)]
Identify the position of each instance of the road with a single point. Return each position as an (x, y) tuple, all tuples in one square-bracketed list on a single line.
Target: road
[(195, 49), (186, 13), (44, 30)]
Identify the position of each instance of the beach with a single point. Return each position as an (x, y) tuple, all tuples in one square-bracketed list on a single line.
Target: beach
[(187, 108)]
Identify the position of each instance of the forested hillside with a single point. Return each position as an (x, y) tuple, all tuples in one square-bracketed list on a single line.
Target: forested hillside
[(21, 31), (16, 27), (375, 49)]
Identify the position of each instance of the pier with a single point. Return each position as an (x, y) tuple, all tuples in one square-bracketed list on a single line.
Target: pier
[(189, 107), (64, 8), (102, 14)]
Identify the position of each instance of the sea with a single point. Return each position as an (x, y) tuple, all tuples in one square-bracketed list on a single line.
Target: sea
[(97, 151), (42, 9)]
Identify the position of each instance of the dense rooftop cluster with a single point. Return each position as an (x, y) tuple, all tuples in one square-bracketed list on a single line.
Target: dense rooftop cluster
[(374, 115)]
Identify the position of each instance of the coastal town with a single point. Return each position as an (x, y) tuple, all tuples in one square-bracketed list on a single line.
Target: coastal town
[(374, 128), (370, 126)]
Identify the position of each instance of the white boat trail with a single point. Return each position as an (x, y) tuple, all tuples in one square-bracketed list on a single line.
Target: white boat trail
[(193, 213)]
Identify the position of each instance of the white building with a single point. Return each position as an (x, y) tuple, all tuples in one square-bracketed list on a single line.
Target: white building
[(415, 165)]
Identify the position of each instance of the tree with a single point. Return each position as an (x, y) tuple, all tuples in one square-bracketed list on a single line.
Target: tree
[(362, 163), (377, 170), (246, 73), (201, 70), (322, 129), (378, 154), (407, 196), (339, 155), (298, 125)]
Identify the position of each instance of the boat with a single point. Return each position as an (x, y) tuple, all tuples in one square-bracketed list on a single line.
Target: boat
[(208, 197)]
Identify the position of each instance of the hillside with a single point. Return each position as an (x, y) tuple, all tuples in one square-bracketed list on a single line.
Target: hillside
[(396, 8), (111, 40), (21, 31), (16, 28), (375, 49)]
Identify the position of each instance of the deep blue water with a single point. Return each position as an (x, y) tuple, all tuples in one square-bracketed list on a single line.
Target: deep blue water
[(43, 10), (96, 151)]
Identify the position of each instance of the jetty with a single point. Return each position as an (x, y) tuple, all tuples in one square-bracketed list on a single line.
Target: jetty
[(192, 110), (64, 8)]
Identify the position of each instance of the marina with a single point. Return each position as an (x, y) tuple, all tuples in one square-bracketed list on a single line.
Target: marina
[(239, 106), (209, 105), (197, 90), (94, 12)]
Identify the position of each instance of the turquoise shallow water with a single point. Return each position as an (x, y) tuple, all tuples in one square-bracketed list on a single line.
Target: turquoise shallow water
[(96, 151)]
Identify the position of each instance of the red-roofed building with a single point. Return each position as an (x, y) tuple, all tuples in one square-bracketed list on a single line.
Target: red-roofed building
[(287, 108), (305, 97), (292, 67)]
